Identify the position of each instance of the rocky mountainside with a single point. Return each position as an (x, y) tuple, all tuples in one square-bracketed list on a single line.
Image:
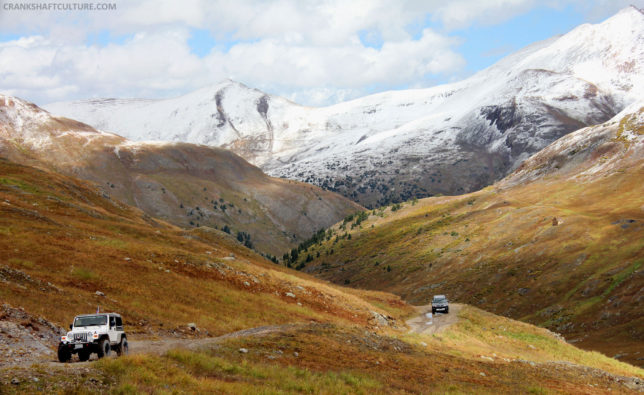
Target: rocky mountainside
[(393, 146), (559, 242), (185, 184)]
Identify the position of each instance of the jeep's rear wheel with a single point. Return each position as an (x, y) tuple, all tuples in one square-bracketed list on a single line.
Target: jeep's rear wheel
[(63, 354), (103, 348), (123, 348), (83, 355)]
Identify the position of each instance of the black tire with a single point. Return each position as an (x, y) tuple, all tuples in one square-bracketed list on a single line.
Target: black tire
[(103, 348), (447, 310), (123, 348), (83, 355), (63, 354), (433, 311)]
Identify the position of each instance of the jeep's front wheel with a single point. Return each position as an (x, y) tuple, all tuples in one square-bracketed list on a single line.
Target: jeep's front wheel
[(123, 348), (103, 348), (63, 353), (83, 355)]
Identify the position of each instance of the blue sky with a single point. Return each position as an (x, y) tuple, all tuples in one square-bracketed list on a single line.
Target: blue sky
[(484, 45), (311, 52)]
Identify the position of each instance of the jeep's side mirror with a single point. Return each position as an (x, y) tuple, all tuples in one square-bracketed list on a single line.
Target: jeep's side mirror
[(71, 326)]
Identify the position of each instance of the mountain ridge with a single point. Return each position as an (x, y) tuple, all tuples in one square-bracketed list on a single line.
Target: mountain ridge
[(396, 145), (186, 184)]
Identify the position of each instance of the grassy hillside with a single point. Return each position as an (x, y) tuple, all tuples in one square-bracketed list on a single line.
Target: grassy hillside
[(62, 241), (185, 184), (559, 243)]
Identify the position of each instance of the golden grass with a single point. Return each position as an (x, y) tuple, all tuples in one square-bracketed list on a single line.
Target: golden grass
[(329, 358), (498, 249), (479, 333), (332, 359), (63, 242)]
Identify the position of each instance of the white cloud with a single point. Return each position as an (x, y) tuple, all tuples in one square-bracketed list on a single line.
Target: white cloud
[(161, 64), (309, 51)]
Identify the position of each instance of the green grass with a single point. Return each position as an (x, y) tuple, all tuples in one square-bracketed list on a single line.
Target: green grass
[(620, 277), (115, 243), (23, 263), (82, 273), (20, 184)]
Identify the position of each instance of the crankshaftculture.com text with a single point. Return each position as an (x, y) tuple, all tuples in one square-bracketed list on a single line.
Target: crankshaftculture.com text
[(16, 6)]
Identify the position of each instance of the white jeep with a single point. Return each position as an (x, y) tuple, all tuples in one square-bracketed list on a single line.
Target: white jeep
[(93, 333)]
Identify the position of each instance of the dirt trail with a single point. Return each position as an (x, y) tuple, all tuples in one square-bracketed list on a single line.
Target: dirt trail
[(428, 323), (159, 346)]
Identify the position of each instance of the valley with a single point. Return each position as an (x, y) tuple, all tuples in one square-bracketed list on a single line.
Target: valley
[(557, 243), (255, 245), (66, 248)]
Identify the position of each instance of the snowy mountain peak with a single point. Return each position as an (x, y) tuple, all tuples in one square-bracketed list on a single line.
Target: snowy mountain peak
[(395, 145), (630, 9)]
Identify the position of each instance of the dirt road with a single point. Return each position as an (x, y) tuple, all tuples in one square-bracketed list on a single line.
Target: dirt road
[(156, 346), (428, 323), (162, 345), (424, 322)]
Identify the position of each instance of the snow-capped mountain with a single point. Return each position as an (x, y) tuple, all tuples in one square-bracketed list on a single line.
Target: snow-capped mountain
[(185, 184), (447, 139)]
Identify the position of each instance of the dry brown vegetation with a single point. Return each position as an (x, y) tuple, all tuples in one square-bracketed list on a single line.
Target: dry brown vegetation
[(483, 353), (62, 241), (559, 243)]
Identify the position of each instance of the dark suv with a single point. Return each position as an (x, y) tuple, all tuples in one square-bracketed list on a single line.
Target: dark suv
[(439, 303)]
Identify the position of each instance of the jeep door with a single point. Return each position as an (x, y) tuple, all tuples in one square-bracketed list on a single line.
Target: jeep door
[(112, 332)]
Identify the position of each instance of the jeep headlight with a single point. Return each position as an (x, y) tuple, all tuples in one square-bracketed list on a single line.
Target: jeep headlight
[(94, 335)]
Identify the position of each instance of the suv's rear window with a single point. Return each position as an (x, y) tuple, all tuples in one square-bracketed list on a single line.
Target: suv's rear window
[(90, 320)]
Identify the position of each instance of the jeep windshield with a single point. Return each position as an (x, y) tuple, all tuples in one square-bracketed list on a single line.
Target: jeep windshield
[(90, 320), (440, 300)]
